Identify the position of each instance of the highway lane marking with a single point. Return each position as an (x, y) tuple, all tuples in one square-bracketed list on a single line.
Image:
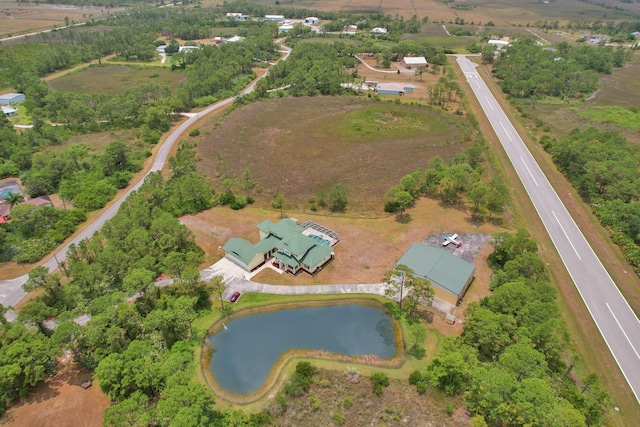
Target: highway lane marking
[(525, 165), (505, 131), (625, 334), (490, 106), (566, 235)]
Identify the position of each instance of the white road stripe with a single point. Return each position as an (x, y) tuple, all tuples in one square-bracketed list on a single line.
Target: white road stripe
[(625, 334), (489, 103), (505, 131), (567, 236), (525, 165)]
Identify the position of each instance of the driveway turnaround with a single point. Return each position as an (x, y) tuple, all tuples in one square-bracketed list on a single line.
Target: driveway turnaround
[(612, 314)]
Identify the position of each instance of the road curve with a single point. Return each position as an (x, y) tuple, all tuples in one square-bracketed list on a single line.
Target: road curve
[(613, 316), (11, 291)]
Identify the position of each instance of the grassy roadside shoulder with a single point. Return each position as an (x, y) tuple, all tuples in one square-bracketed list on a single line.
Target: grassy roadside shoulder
[(399, 367), (594, 355)]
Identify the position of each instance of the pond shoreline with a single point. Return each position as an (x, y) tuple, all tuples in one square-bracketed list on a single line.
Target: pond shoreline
[(275, 378)]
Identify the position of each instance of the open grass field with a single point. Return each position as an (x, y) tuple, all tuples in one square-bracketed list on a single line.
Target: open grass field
[(608, 108), (300, 146), (114, 79), (19, 18)]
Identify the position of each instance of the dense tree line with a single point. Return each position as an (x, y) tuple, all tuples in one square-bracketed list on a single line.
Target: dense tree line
[(142, 351), (314, 68), (527, 70), (510, 363), (449, 182), (604, 170)]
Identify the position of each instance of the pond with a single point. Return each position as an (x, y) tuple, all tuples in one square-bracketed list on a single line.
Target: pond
[(247, 348)]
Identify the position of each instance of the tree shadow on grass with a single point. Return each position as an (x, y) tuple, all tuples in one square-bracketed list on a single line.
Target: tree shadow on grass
[(404, 219)]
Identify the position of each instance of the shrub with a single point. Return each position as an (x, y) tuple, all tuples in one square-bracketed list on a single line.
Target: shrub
[(194, 132), (314, 401), (380, 378), (338, 417), (347, 402), (415, 377), (450, 408), (421, 387), (377, 389), (417, 351)]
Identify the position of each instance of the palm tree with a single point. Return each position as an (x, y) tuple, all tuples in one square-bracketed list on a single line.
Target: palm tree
[(13, 198)]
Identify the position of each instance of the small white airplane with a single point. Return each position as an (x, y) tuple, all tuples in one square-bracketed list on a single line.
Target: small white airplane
[(452, 239)]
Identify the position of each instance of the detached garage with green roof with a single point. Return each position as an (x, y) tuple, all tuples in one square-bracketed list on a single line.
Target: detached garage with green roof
[(449, 274)]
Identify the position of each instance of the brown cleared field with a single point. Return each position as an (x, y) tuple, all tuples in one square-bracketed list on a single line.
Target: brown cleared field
[(19, 18), (115, 79), (60, 401), (299, 146), (501, 12)]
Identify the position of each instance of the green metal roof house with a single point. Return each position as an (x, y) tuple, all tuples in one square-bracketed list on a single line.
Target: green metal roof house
[(291, 250), (449, 274)]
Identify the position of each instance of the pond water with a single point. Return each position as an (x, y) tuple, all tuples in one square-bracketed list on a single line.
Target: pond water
[(247, 348)]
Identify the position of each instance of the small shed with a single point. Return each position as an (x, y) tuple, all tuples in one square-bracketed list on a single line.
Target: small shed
[(390, 89), (450, 319), (9, 111), (408, 88), (311, 20), (414, 62), (379, 31), (285, 28), (11, 98)]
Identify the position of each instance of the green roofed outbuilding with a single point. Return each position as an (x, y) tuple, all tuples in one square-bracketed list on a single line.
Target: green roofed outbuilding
[(284, 241), (449, 274)]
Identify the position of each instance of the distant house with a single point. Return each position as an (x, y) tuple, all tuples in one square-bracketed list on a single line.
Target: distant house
[(234, 39), (237, 16), (188, 48), (9, 111), (379, 31), (5, 211), (636, 34), (311, 20), (40, 201), (449, 275), (11, 98), (391, 89), (161, 49), (350, 30), (595, 39), (414, 62), (498, 43), (5, 208), (285, 28), (274, 18), (291, 247)]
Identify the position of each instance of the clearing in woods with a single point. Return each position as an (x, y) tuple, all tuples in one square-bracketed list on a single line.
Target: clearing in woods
[(300, 146), (115, 79)]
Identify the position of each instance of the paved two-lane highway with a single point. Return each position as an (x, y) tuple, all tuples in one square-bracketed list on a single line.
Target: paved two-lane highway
[(612, 314)]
